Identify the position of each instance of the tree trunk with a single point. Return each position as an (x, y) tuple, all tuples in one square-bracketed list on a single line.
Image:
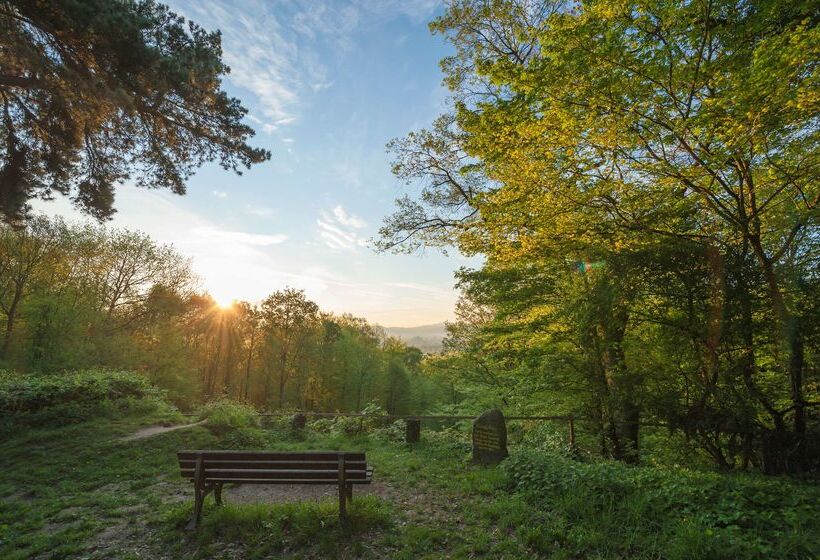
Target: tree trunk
[(791, 337), (281, 400), (621, 385), (10, 318), (246, 388)]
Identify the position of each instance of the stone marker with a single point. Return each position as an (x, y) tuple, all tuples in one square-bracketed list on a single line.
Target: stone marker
[(489, 438), (298, 421), (413, 433)]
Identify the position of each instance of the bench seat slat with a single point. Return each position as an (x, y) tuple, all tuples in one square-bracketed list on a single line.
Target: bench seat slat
[(277, 474), (269, 455), (321, 465), (280, 481)]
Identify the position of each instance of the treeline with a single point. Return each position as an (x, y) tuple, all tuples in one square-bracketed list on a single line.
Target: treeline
[(80, 296), (642, 180)]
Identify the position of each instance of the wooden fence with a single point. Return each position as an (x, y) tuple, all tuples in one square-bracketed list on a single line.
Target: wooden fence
[(419, 418)]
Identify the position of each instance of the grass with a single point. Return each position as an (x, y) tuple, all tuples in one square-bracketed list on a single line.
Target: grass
[(79, 491)]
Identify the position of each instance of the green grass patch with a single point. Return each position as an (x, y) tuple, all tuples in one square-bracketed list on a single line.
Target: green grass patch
[(80, 491)]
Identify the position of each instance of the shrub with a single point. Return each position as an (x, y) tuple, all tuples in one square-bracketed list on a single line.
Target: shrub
[(731, 516), (395, 431), (225, 415), (548, 437), (245, 438), (321, 425), (281, 428), (42, 400), (370, 423), (454, 438)]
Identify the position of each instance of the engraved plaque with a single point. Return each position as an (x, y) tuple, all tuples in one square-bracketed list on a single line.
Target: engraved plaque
[(489, 438)]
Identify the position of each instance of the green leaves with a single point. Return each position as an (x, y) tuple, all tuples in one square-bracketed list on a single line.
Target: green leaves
[(663, 511), (97, 92), (676, 142)]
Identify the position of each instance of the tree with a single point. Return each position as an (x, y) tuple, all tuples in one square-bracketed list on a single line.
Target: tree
[(249, 319), (451, 182), (99, 91), (289, 318), (620, 131), (24, 254)]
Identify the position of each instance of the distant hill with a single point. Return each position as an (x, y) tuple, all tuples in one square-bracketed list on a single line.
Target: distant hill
[(425, 337)]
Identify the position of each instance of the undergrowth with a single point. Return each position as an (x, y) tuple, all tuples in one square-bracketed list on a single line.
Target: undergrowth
[(81, 491), (57, 399)]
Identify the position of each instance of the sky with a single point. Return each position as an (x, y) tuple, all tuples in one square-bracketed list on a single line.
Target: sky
[(327, 83)]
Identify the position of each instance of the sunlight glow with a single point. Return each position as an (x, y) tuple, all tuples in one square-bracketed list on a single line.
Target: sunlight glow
[(223, 302)]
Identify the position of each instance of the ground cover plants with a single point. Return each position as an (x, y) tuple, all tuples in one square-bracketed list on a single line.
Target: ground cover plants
[(84, 490)]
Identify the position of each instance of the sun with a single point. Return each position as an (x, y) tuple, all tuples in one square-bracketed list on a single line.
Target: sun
[(223, 302)]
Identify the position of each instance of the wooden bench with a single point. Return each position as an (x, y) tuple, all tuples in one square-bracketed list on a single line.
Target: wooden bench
[(209, 470)]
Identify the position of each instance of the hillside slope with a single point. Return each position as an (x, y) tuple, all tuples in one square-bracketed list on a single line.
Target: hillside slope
[(425, 337)]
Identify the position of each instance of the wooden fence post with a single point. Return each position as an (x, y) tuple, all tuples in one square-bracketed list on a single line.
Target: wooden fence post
[(413, 432)]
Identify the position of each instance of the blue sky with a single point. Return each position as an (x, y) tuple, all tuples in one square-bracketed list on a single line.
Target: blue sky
[(327, 84)]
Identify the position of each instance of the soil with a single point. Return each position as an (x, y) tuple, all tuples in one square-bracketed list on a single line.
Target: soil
[(151, 431), (279, 493)]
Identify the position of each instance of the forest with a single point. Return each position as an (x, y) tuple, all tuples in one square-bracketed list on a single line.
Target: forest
[(634, 184), (81, 296)]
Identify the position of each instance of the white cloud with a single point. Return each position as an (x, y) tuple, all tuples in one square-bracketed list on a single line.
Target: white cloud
[(220, 194), (261, 211), (212, 234), (338, 229), (348, 219)]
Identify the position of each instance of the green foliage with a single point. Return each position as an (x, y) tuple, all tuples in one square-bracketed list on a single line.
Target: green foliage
[(41, 400), (351, 425), (672, 510), (548, 438), (395, 431), (95, 91), (225, 415), (80, 296), (665, 147)]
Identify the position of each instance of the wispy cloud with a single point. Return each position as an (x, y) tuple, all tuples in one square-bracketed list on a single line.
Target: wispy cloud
[(339, 229), (225, 236), (220, 194), (274, 49), (346, 219), (420, 288)]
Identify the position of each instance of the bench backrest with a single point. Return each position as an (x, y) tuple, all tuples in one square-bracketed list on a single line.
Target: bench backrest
[(304, 467)]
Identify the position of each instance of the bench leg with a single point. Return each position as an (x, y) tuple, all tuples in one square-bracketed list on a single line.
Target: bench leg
[(349, 492), (199, 494), (218, 493), (199, 498), (342, 503)]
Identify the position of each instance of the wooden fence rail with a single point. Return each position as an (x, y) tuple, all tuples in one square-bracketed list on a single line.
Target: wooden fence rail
[(400, 416), (414, 419)]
